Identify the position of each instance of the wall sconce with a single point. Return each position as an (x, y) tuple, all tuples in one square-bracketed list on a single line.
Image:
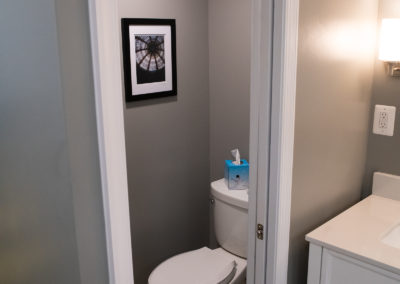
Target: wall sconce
[(389, 49)]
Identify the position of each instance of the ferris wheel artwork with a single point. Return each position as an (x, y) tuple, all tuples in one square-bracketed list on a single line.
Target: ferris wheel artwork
[(149, 56)]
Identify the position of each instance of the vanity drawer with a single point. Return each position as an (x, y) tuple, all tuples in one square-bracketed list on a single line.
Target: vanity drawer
[(330, 267)]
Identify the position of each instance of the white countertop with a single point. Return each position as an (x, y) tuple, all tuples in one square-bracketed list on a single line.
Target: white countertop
[(358, 232)]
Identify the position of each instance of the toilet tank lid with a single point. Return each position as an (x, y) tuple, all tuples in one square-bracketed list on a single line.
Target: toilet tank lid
[(237, 197)]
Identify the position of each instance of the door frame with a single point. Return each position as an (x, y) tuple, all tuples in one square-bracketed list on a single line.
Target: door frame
[(273, 92), (273, 99), (107, 76)]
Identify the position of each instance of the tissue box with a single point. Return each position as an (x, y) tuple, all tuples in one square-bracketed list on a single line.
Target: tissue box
[(237, 176)]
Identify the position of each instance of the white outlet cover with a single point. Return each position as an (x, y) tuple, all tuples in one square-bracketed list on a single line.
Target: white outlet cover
[(384, 120)]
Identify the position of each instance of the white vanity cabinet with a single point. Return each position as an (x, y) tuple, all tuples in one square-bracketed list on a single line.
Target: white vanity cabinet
[(362, 244), (326, 266)]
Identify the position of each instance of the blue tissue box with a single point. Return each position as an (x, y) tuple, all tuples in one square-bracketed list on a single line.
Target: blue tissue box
[(237, 176)]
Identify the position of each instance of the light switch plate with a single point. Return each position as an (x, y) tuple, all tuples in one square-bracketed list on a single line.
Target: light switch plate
[(384, 120)]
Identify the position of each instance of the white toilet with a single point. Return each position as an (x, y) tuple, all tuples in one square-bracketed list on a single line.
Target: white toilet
[(223, 265)]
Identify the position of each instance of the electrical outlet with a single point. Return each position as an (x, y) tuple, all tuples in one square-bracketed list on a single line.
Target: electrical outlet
[(384, 120)]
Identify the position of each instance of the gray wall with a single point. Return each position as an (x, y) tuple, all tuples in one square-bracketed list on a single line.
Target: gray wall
[(334, 81), (229, 37), (383, 151), (51, 218), (167, 144), (229, 34)]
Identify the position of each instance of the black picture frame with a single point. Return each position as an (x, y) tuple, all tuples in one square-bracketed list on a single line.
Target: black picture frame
[(154, 72)]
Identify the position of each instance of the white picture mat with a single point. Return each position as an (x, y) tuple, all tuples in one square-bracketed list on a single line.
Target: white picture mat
[(140, 89)]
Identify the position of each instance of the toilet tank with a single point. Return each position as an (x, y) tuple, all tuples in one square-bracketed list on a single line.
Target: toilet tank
[(230, 210)]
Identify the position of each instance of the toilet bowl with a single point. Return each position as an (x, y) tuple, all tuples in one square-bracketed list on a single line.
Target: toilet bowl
[(223, 265)]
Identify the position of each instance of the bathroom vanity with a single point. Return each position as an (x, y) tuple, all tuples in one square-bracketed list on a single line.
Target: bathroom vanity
[(362, 244)]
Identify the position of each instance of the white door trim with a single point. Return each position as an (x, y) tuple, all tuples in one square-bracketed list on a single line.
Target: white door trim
[(286, 15), (104, 31), (273, 95)]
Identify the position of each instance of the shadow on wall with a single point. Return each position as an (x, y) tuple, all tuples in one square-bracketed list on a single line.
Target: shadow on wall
[(150, 102)]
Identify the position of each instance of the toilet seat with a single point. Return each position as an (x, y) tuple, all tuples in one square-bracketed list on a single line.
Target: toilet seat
[(202, 266)]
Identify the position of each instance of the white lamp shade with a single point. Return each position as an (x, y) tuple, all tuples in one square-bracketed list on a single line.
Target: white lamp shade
[(389, 49)]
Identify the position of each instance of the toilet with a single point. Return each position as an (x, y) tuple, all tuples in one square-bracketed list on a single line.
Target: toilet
[(226, 264)]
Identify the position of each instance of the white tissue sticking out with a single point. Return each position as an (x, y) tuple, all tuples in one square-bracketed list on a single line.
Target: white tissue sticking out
[(236, 155)]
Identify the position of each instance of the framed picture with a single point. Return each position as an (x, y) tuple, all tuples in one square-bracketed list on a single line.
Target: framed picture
[(149, 55)]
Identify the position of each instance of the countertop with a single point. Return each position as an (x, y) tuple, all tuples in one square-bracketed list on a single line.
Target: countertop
[(358, 232)]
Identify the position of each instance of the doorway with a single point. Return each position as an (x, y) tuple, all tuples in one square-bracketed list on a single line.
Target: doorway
[(272, 51)]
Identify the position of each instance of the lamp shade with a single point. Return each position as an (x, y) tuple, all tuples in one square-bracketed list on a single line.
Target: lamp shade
[(389, 49)]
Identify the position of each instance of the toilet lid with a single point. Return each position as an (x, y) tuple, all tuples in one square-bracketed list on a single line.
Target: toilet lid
[(201, 266)]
